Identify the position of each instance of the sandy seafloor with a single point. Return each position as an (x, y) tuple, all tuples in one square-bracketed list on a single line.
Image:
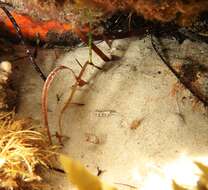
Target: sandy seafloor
[(169, 129)]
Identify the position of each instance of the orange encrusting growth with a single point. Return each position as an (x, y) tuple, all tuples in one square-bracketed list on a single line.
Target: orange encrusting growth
[(30, 28)]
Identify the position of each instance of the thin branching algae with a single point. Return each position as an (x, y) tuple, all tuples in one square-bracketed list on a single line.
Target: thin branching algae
[(23, 147)]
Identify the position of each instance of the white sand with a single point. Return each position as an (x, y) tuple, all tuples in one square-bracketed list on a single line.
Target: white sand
[(137, 87)]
